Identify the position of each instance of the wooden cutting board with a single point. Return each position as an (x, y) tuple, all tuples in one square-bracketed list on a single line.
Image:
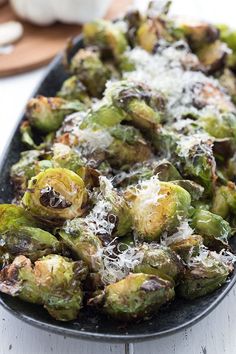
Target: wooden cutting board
[(40, 44)]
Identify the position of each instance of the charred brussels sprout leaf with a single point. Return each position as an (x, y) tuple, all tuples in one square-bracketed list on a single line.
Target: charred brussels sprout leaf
[(55, 195), (164, 204), (54, 282), (137, 296), (213, 56)]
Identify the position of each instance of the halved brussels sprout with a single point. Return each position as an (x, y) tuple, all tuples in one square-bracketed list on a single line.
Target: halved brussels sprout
[(187, 247), (73, 89), (85, 246), (228, 35), (105, 35), (90, 70), (199, 33), (54, 282), (143, 106), (224, 200), (213, 56), (161, 261), (164, 204), (219, 125), (20, 234), (55, 195), (47, 113), (213, 228), (204, 275), (128, 147), (137, 296), (209, 94)]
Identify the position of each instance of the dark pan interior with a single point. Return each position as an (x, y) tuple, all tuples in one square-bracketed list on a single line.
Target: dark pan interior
[(89, 325)]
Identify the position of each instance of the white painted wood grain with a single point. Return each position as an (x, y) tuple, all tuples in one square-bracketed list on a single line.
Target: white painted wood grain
[(214, 335)]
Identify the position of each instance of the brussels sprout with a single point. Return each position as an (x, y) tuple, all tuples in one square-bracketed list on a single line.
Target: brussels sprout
[(47, 113), (213, 228), (144, 106), (90, 70), (105, 35), (54, 282), (161, 261), (128, 147), (228, 35), (199, 33), (197, 161), (14, 216), (66, 157), (20, 234), (228, 80), (28, 241), (219, 125), (55, 195), (213, 56), (164, 204), (187, 247), (85, 246), (204, 275), (137, 296), (208, 94), (224, 200), (73, 89)]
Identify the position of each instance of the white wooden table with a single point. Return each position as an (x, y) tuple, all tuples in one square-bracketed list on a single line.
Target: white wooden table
[(216, 334)]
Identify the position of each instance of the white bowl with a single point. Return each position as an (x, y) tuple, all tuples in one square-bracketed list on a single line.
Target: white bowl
[(46, 12)]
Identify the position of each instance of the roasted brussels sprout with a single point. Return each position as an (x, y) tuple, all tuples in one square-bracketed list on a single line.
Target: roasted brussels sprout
[(164, 204), (161, 261), (54, 282), (144, 106), (187, 247), (224, 200), (228, 35), (220, 125), (85, 246), (134, 20), (213, 56), (107, 36), (74, 89), (55, 195), (89, 69), (137, 296), (20, 234), (205, 274), (213, 228), (47, 113), (199, 33)]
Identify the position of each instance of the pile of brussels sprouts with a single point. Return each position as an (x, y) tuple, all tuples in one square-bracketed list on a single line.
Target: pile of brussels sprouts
[(120, 204)]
